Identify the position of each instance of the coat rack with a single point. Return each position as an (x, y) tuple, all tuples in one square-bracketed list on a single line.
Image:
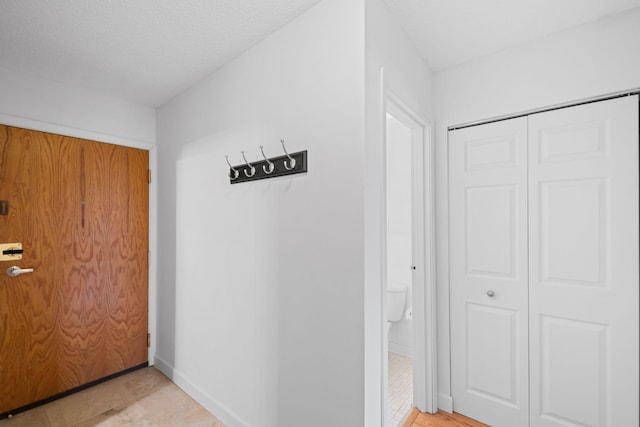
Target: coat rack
[(288, 164)]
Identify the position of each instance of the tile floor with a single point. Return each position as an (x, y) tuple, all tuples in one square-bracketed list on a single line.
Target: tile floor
[(400, 388), (141, 398)]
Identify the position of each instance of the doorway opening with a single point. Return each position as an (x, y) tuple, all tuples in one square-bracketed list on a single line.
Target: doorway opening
[(399, 268), (408, 353)]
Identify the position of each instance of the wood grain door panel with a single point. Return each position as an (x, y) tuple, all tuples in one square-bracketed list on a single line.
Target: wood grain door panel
[(80, 208)]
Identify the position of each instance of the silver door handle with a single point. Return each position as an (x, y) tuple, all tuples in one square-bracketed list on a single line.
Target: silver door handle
[(491, 294), (16, 271)]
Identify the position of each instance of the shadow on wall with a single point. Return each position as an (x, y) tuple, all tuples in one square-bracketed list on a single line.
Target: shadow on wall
[(220, 316), (254, 325)]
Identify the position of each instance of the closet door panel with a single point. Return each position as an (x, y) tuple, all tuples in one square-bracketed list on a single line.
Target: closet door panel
[(574, 231), (488, 231), (491, 235), (583, 302)]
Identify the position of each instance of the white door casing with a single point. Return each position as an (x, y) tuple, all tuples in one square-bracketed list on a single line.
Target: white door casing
[(423, 255), (488, 272), (583, 277)]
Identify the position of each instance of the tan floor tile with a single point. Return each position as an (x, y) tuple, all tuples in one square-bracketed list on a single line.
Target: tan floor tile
[(170, 406), (200, 419), (132, 415), (87, 404), (144, 398), (144, 381), (34, 418)]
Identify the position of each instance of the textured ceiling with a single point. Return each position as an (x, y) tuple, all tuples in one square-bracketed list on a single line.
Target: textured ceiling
[(146, 51), (450, 32)]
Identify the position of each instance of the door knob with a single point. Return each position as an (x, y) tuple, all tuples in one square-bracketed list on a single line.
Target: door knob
[(491, 294), (16, 271)]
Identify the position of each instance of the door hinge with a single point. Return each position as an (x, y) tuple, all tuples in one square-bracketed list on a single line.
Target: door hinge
[(149, 176), (148, 340)]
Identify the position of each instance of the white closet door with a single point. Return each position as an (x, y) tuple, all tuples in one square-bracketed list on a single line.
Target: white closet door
[(583, 214), (488, 244)]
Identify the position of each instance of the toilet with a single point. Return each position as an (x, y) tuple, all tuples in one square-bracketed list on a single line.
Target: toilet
[(396, 298)]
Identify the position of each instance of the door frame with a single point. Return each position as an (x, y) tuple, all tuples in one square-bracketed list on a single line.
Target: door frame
[(423, 253), (37, 125)]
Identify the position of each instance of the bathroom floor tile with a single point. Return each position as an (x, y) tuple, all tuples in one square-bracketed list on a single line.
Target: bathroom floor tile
[(400, 387)]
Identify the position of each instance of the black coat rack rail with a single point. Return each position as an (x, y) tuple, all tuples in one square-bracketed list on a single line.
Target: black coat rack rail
[(272, 167)]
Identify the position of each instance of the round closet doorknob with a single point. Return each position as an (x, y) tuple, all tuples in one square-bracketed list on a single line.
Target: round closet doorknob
[(491, 294)]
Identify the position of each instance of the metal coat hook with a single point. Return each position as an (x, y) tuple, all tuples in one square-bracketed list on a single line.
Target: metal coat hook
[(269, 162), (236, 172), (282, 165), (292, 161), (251, 168)]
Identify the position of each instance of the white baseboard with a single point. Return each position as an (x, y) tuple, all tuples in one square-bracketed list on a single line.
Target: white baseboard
[(401, 349), (445, 402), (224, 414)]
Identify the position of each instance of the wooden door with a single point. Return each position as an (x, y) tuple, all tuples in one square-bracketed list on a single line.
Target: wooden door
[(488, 256), (80, 210), (583, 213)]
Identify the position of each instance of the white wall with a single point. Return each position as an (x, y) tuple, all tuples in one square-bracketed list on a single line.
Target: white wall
[(590, 60), (409, 78), (261, 283), (35, 103)]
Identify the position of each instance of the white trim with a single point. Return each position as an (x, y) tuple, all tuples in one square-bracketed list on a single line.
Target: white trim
[(223, 413), (153, 253), (589, 100), (163, 366), (431, 303), (24, 123), (445, 402), (401, 349), (423, 227), (384, 348), (40, 126)]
